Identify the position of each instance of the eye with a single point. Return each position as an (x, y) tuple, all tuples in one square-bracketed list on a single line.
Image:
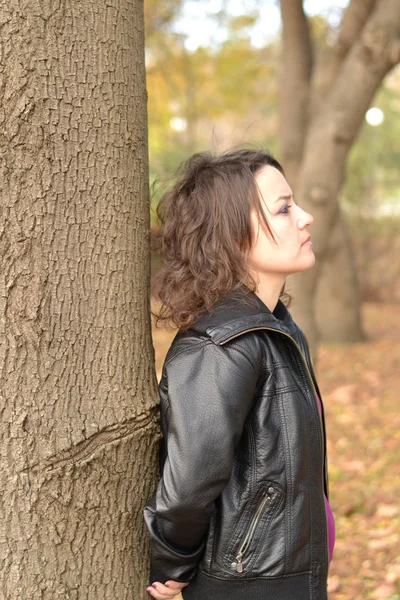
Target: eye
[(285, 209)]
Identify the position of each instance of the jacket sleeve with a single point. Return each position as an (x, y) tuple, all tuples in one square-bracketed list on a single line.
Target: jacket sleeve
[(210, 390)]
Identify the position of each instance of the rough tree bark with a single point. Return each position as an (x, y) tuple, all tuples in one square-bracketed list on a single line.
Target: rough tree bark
[(77, 382), (370, 51)]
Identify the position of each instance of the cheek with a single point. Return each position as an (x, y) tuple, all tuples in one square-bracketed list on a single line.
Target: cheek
[(269, 252), (285, 238), (289, 235)]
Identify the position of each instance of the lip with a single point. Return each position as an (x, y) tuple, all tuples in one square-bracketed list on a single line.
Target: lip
[(308, 240)]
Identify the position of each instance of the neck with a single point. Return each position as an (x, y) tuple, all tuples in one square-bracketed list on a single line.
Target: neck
[(269, 289)]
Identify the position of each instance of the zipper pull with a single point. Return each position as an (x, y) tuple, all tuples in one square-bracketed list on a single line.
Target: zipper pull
[(238, 565)]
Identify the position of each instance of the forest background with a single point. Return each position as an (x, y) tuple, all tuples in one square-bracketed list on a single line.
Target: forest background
[(213, 76), (213, 82)]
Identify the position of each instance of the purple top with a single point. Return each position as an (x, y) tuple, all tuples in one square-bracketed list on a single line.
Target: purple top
[(329, 516)]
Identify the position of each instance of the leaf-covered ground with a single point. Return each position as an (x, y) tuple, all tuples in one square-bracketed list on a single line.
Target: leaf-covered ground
[(360, 386)]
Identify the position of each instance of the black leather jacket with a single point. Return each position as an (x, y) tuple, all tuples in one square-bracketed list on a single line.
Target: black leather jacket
[(239, 510)]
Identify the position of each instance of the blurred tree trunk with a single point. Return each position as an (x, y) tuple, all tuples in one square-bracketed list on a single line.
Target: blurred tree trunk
[(190, 104), (338, 301), (77, 381), (317, 132)]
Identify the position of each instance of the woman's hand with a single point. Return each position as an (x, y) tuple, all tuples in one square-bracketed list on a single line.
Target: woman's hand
[(170, 589)]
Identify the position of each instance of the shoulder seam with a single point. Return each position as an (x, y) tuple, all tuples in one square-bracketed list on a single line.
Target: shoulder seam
[(188, 348), (209, 342)]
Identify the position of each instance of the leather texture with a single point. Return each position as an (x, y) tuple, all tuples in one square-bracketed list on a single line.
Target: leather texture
[(243, 456)]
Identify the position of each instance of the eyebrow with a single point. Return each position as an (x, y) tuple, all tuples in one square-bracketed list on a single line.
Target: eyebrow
[(288, 197)]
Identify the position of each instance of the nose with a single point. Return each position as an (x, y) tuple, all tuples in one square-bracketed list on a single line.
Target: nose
[(305, 218)]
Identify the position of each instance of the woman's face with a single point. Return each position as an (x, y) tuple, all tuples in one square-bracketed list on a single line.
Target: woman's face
[(290, 226)]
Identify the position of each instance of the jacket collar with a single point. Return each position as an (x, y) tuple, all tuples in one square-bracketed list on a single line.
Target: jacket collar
[(230, 317)]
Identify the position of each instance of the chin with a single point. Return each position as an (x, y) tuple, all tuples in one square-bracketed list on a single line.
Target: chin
[(304, 266), (310, 263), (309, 266)]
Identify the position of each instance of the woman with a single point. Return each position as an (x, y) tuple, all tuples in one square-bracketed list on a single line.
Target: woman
[(241, 508)]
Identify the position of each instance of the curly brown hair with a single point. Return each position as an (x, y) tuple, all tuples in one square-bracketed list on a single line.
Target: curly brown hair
[(205, 232)]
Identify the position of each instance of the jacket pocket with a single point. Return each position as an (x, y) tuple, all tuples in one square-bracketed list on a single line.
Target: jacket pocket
[(251, 540)]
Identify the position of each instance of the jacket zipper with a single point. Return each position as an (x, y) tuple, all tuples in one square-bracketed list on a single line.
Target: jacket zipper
[(238, 564), (320, 421)]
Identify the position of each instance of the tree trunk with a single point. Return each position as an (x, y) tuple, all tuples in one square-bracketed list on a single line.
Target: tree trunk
[(330, 136), (295, 82), (297, 63), (337, 303), (354, 20), (77, 382)]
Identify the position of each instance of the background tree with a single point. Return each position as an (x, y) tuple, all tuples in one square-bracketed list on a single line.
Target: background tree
[(317, 131), (77, 379), (236, 90), (196, 97)]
